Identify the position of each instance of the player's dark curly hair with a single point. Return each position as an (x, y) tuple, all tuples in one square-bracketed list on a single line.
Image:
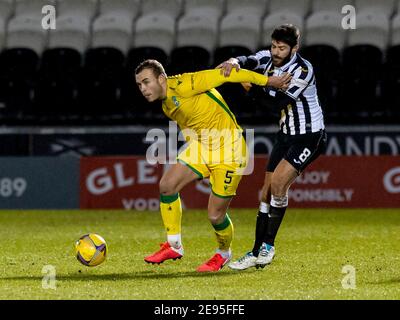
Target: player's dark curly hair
[(287, 33), (152, 64)]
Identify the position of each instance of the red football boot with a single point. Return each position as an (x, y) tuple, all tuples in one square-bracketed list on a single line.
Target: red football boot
[(214, 264), (165, 253)]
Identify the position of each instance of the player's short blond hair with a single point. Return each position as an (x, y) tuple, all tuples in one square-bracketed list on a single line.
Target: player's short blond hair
[(152, 64)]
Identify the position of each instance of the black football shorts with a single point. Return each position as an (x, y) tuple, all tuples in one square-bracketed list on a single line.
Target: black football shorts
[(299, 150)]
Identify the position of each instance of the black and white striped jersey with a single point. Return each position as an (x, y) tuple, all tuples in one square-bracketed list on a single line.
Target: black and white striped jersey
[(303, 113)]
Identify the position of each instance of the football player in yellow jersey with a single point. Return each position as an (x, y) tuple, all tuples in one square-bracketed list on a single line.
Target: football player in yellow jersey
[(216, 149)]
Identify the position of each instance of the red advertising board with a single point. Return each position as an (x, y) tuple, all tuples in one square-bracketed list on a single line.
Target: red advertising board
[(330, 182)]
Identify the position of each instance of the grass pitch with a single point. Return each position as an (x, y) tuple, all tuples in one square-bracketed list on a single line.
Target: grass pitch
[(315, 249)]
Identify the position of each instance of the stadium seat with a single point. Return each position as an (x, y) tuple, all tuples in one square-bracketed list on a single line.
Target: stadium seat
[(239, 29), (2, 33), (31, 8), (155, 30), (324, 28), (25, 42), (299, 7), (395, 28), (391, 83), (101, 85), (196, 41), (17, 61), (71, 32), (276, 19), (106, 59), (137, 55), (84, 8), (198, 29), (61, 72), (6, 9), (223, 53), (189, 59), (386, 7), (372, 29), (26, 32), (173, 8), (254, 7), (18, 67), (126, 7), (209, 7), (112, 30), (58, 83), (325, 60), (362, 65), (331, 6)]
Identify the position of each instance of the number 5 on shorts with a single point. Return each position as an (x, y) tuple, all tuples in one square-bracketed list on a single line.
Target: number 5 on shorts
[(228, 177)]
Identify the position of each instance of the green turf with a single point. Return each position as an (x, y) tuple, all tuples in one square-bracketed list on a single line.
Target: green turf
[(312, 248)]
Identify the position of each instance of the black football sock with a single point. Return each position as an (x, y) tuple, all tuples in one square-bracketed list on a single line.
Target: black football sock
[(261, 226), (275, 217)]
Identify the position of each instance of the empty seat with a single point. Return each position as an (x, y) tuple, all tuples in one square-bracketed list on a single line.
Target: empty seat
[(6, 9), (71, 32), (209, 7), (196, 40), (332, 6), (155, 30), (60, 61), (85, 8), (2, 33), (138, 55), (31, 8), (172, 8), (18, 68), (102, 79), (126, 7), (189, 59), (222, 54), (391, 87), (326, 63), (240, 29), (276, 19), (109, 60), (197, 29), (255, 7), (299, 7), (113, 30), (372, 29), (58, 81), (363, 74), (324, 28), (385, 7), (26, 32), (395, 36)]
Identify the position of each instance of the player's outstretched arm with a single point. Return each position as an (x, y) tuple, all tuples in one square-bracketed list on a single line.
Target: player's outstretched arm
[(194, 83)]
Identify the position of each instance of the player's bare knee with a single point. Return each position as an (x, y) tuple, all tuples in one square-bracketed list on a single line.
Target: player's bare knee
[(167, 187), (278, 188), (216, 216)]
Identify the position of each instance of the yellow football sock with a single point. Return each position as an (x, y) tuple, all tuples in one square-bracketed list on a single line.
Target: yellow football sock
[(171, 213), (224, 233)]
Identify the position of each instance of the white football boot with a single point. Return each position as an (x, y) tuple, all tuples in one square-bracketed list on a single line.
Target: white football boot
[(265, 255), (243, 263)]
